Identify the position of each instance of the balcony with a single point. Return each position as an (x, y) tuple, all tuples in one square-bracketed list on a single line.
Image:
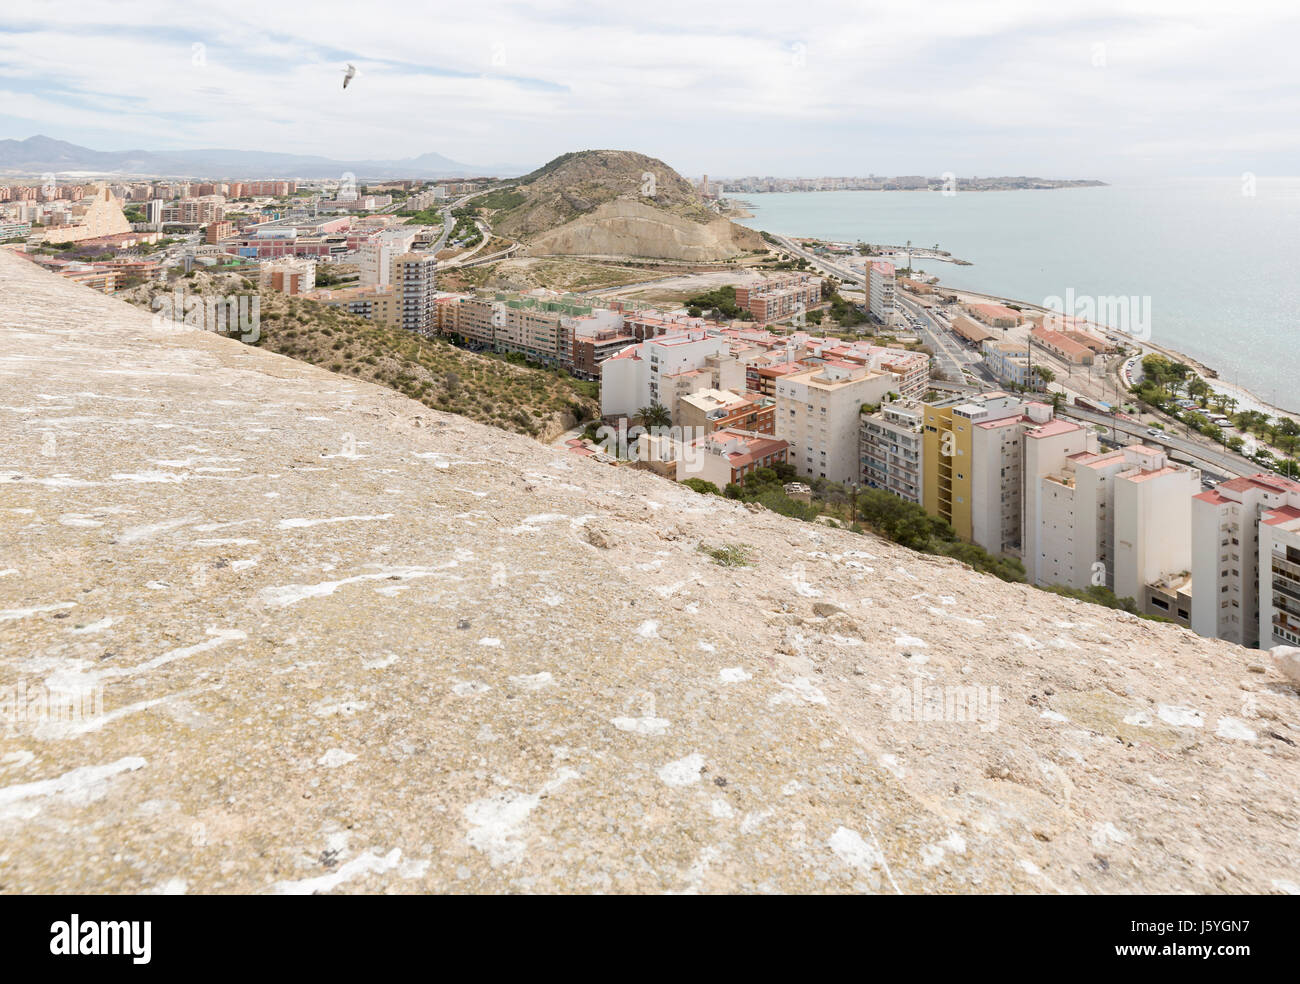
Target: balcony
[(1285, 624), (1286, 567), (1289, 605), (1287, 588)]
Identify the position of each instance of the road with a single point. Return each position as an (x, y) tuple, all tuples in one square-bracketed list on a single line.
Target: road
[(955, 360), (844, 273), (421, 201), (951, 357), (501, 254), (960, 364), (1217, 460)]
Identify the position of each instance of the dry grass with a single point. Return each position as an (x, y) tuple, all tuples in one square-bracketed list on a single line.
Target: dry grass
[(537, 402)]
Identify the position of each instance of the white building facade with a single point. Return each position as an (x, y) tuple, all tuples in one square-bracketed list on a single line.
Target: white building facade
[(818, 411)]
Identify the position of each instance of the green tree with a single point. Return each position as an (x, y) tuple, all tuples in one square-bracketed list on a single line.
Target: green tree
[(655, 415), (701, 486), (1199, 390)]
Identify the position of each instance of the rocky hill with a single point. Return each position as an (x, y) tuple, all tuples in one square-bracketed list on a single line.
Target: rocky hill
[(348, 643), (617, 202)]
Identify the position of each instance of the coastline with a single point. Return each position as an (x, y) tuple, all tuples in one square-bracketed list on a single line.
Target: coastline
[(1120, 244), (1247, 399)]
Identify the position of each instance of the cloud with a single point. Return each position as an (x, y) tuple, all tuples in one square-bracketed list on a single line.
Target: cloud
[(1069, 89)]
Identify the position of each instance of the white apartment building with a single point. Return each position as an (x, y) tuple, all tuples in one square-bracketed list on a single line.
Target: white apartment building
[(1119, 519), (1064, 528), (1240, 541), (719, 371), (1279, 568), (995, 494), (1153, 514), (288, 275), (378, 253), (911, 369), (893, 450), (817, 412), (880, 290), (641, 374), (997, 423)]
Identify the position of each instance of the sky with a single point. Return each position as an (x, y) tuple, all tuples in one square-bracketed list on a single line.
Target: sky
[(1064, 89)]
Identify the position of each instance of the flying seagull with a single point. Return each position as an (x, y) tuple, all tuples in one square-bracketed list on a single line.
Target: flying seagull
[(349, 74)]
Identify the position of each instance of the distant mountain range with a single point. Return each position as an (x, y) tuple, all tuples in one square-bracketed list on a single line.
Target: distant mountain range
[(39, 154)]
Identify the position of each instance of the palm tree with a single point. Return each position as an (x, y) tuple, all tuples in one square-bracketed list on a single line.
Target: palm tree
[(655, 415)]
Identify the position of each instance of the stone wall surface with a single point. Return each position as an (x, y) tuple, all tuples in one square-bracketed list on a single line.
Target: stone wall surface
[(345, 643)]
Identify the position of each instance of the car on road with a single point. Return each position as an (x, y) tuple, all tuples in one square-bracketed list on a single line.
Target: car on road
[(1154, 432)]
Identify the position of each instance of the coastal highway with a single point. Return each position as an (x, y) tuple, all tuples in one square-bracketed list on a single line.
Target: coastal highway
[(844, 273), (1215, 460), (953, 360), (962, 366)]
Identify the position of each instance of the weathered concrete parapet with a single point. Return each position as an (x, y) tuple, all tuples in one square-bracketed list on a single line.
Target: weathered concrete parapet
[(321, 638)]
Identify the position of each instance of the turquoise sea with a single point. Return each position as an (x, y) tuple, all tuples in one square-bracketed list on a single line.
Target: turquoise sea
[(1219, 264)]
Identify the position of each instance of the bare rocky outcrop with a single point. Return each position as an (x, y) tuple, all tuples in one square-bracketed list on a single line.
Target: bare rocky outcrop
[(347, 643), (619, 203), (631, 228)]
